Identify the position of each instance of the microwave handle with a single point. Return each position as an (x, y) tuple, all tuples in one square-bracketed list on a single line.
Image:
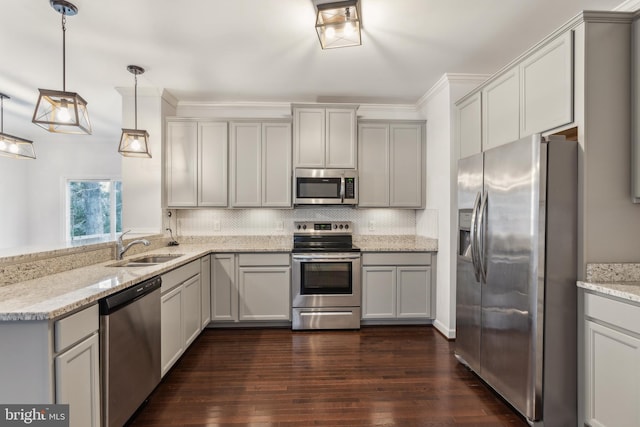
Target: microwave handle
[(342, 189)]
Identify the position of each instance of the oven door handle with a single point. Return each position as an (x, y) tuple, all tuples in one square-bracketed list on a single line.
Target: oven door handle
[(322, 257)]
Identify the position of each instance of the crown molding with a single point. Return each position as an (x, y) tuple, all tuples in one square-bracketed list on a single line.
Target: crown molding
[(628, 6), (448, 78)]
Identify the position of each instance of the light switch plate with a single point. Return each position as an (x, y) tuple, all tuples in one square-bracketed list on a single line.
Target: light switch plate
[(216, 225)]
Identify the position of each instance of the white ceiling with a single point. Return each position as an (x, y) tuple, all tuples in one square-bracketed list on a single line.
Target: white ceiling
[(256, 50)]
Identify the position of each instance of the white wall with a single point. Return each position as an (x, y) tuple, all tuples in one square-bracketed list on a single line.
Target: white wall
[(442, 157), (14, 225)]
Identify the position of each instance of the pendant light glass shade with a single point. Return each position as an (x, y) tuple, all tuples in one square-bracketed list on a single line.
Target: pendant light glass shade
[(338, 24), (13, 146), (135, 142), (61, 111)]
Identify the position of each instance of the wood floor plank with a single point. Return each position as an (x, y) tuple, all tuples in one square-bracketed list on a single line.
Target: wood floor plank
[(378, 376)]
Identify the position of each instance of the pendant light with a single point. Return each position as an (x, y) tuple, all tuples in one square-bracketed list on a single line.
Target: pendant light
[(12, 146), (62, 111), (135, 142)]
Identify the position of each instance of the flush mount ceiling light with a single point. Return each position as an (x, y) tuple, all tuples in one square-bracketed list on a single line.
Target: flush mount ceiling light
[(12, 146), (338, 24), (62, 111), (135, 142)]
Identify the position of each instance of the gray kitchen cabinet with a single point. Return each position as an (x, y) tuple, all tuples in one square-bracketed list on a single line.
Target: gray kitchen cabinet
[(397, 286), (635, 111), (205, 296), (501, 110), (611, 339), (264, 286), (77, 366), (179, 312), (260, 164), (546, 86), (391, 164), (54, 361), (250, 287), (469, 125), (324, 136), (224, 292), (196, 163)]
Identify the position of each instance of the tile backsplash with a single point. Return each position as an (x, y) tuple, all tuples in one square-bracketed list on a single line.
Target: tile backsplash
[(212, 222)]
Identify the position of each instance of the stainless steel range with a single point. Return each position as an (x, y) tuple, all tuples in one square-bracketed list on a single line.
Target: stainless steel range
[(326, 276)]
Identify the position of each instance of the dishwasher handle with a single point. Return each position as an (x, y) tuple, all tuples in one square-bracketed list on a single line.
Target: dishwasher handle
[(125, 297)]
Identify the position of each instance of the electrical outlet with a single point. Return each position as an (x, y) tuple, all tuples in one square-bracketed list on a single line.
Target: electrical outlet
[(280, 226), (216, 225), (372, 225)]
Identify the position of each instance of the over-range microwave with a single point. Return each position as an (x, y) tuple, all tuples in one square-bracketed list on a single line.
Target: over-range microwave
[(325, 187)]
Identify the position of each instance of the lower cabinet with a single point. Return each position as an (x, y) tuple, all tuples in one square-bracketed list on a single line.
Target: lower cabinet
[(251, 287), (397, 286), (77, 366), (181, 320), (611, 334), (205, 294)]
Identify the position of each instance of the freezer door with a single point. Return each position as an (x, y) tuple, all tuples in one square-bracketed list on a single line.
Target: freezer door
[(468, 286), (511, 226)]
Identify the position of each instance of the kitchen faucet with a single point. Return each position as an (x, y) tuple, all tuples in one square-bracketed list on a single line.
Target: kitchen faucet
[(121, 248)]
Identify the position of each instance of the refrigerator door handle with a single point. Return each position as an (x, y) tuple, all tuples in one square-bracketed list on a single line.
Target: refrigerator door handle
[(474, 237), (482, 218)]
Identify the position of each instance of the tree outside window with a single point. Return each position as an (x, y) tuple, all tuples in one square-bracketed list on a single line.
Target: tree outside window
[(94, 209)]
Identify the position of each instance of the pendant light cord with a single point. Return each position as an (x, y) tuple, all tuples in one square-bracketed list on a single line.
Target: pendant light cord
[(64, 52)]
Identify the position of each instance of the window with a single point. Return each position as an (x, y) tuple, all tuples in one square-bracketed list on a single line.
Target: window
[(94, 209)]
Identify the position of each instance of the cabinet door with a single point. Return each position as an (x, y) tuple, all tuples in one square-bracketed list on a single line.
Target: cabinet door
[(78, 382), (546, 84), (469, 126), (406, 165), (373, 165), (172, 343), (613, 395), (246, 163), (378, 292), (501, 110), (181, 165), (224, 294), (264, 293), (276, 165), (212, 164), (205, 295), (340, 147), (308, 137), (414, 292), (191, 318)]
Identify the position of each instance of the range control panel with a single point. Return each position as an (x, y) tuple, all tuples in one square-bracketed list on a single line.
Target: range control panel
[(307, 227)]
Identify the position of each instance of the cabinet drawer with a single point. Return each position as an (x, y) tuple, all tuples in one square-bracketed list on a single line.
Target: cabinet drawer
[(263, 259), (179, 275), (396, 258), (73, 328), (617, 313)]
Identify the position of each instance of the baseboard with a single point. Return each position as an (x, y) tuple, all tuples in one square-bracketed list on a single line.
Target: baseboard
[(449, 334)]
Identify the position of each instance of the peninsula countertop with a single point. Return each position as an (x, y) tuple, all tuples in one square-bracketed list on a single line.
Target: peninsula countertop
[(629, 291), (54, 295)]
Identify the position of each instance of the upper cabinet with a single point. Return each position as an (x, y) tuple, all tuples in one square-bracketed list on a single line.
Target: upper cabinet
[(532, 95), (260, 164), (324, 136), (469, 125), (546, 86), (196, 163), (391, 164)]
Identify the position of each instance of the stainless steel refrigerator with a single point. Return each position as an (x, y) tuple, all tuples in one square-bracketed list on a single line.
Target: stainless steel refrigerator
[(516, 291)]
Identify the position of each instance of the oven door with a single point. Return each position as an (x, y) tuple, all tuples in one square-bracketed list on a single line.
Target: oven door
[(326, 280)]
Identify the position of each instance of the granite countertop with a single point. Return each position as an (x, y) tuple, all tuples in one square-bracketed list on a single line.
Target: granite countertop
[(54, 295), (626, 290)]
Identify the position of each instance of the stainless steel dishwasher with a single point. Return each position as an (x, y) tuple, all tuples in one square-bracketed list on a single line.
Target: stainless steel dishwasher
[(129, 349)]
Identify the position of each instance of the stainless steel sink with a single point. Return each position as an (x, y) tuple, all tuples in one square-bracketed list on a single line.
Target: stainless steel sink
[(145, 260)]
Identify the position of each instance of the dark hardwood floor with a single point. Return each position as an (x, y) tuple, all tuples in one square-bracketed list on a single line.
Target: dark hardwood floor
[(378, 376)]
